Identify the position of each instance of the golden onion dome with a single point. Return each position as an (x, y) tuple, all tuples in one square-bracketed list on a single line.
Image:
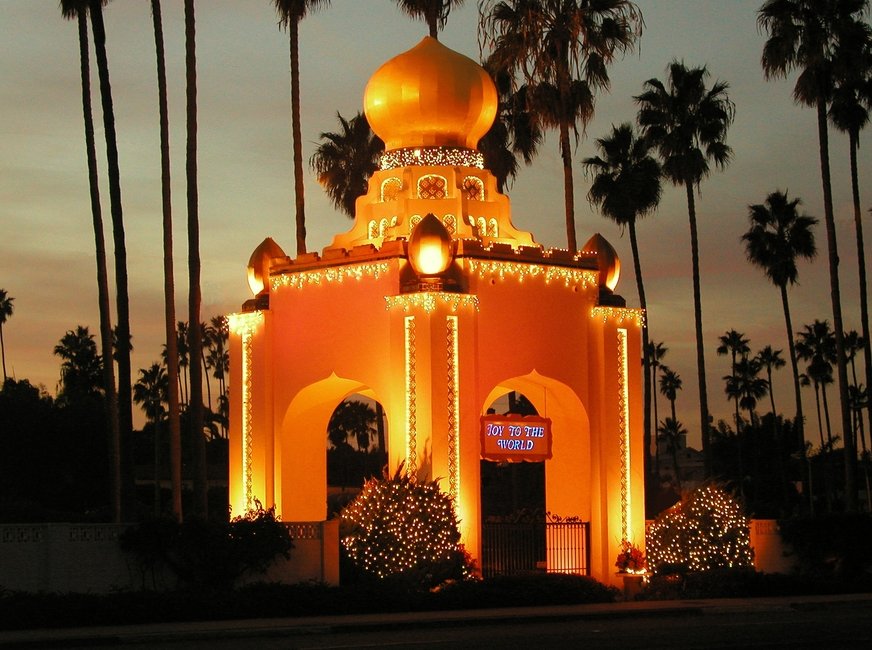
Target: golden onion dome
[(430, 96), (258, 265), (607, 261)]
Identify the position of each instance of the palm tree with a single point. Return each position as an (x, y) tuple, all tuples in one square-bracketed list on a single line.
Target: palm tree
[(344, 161), (78, 9), (805, 35), (561, 49), (172, 356), (771, 360), (81, 369), (849, 113), (654, 352), (777, 236), (122, 300), (433, 12), (736, 345), (688, 123), (806, 380), (747, 386), (352, 420), (670, 384), (671, 433), (150, 392), (816, 344), (626, 186), (195, 334), (6, 310), (513, 133), (219, 361), (290, 13)]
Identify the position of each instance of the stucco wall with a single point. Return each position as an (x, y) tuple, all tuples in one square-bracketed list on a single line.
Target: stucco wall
[(86, 558)]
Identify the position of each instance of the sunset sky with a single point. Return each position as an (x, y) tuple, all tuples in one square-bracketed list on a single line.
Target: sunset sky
[(246, 191)]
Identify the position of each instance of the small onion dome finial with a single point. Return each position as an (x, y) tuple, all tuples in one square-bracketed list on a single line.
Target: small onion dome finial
[(258, 265), (606, 260), (429, 247)]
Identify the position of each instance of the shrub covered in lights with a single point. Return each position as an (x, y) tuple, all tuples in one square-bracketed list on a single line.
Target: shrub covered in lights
[(703, 531), (404, 529)]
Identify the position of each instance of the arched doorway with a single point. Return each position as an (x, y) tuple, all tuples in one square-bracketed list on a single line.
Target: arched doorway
[(301, 449), (513, 504), (555, 535), (356, 448)]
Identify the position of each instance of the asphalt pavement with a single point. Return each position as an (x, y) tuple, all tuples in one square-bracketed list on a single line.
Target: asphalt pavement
[(157, 633)]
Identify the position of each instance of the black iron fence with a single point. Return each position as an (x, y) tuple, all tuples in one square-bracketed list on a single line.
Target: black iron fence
[(518, 548)]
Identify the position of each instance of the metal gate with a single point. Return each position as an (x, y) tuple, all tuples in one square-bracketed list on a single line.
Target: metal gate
[(518, 548)]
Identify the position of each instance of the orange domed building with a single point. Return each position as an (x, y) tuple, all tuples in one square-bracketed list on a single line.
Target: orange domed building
[(435, 305)]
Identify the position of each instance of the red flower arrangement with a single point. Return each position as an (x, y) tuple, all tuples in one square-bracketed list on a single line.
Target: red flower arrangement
[(631, 559)]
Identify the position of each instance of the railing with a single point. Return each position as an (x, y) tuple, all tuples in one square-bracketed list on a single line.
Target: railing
[(518, 548)]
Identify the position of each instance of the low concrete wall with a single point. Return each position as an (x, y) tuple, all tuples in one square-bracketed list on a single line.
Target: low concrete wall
[(86, 558), (770, 552)]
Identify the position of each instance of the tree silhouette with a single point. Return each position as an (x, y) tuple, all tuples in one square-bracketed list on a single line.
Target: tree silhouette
[(626, 187), (433, 12), (805, 35), (81, 368), (816, 344), (561, 49), (736, 345), (290, 13), (151, 391), (513, 133), (688, 123), (778, 235), (671, 433), (172, 356), (849, 113), (345, 160), (78, 9), (6, 310)]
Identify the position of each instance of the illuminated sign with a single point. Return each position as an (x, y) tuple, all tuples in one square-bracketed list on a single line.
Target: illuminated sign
[(515, 438)]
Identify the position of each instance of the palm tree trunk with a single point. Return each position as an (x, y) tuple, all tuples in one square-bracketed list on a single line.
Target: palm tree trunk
[(654, 366), (293, 38), (697, 316), (861, 264), (125, 406), (3, 353), (646, 361), (173, 406), (736, 397), (380, 428), (156, 492), (833, 255), (827, 415), (111, 411), (791, 347), (206, 375), (817, 399), (568, 188), (195, 409)]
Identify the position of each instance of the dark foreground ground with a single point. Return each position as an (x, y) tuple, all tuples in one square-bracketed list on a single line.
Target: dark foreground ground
[(836, 621)]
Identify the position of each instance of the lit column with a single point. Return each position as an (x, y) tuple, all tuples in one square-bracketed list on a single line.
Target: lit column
[(244, 325), (624, 433), (453, 408), (411, 397)]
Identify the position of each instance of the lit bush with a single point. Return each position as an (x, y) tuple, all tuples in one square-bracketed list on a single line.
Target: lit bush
[(703, 531), (404, 529)]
